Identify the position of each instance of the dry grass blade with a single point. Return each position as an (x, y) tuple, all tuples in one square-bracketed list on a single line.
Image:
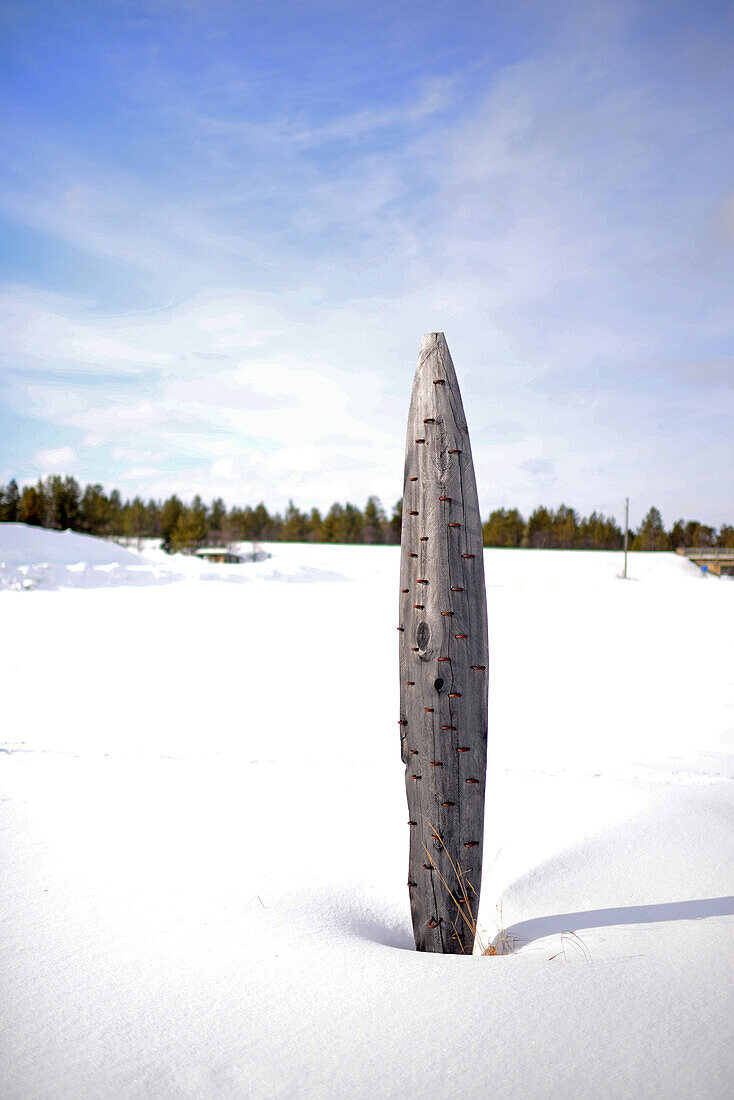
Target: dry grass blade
[(503, 943), (570, 939)]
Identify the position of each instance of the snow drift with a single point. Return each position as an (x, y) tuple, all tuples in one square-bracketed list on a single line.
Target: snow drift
[(205, 841)]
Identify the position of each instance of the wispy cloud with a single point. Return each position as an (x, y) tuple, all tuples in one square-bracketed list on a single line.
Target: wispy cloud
[(55, 459)]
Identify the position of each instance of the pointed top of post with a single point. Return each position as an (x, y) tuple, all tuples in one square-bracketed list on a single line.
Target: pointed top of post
[(434, 349), (435, 366)]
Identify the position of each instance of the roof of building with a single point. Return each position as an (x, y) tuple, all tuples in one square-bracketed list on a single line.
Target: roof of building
[(218, 550)]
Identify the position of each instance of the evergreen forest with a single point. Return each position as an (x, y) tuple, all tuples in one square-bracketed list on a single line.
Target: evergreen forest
[(61, 502)]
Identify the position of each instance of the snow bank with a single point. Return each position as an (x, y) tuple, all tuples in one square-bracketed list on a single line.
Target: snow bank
[(32, 557), (23, 545), (205, 840)]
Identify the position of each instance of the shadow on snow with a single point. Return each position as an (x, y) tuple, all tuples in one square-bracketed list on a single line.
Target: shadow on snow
[(539, 927)]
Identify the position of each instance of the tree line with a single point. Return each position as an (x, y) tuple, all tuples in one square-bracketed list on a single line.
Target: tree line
[(60, 503)]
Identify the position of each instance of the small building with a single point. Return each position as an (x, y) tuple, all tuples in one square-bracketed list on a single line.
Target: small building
[(218, 554), (714, 560)]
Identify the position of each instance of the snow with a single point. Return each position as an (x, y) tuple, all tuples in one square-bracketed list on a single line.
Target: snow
[(205, 851), (32, 556)]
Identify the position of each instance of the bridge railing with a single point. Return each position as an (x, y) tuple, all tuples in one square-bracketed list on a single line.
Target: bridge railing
[(714, 553)]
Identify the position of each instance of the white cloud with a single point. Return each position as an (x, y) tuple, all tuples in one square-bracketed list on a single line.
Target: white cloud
[(136, 474), (56, 460), (32, 328)]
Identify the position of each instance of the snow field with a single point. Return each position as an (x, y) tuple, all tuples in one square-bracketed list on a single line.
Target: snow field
[(205, 839)]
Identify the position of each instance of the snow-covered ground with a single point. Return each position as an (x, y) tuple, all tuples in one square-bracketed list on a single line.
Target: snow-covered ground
[(205, 844)]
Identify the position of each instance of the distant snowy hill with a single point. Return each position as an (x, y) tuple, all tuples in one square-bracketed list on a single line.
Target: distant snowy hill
[(34, 556), (24, 545)]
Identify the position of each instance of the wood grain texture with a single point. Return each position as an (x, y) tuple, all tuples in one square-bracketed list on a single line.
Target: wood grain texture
[(443, 656)]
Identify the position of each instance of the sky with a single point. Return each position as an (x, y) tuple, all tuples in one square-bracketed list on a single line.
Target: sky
[(225, 227)]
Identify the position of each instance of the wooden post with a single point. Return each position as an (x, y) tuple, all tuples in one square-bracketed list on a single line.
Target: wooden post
[(443, 659)]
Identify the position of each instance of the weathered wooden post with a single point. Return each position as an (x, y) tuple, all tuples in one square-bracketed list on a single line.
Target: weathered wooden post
[(443, 659)]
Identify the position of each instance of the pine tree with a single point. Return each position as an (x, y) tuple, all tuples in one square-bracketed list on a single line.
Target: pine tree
[(264, 526), (152, 520), (33, 505), (596, 532), (295, 525), (651, 533), (315, 525), (352, 523), (540, 528), (677, 536), (134, 519), (331, 527), (94, 511), (373, 530), (190, 529), (9, 502), (396, 522), (64, 496), (565, 528), (198, 519), (216, 521), (236, 524), (115, 524), (698, 534), (505, 527), (170, 515)]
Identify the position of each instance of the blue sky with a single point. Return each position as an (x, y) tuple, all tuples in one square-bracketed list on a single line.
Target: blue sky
[(226, 226)]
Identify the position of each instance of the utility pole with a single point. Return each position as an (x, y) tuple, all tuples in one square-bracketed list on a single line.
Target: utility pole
[(626, 532)]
